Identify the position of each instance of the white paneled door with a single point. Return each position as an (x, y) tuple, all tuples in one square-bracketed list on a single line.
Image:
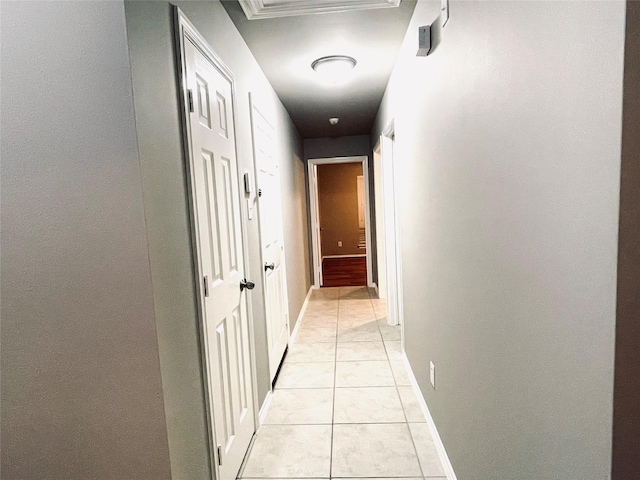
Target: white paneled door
[(271, 235), (219, 238)]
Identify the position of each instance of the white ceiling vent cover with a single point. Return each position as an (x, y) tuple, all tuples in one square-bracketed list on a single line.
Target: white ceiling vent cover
[(257, 9)]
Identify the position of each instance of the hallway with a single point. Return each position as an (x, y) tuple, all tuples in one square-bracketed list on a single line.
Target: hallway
[(343, 405)]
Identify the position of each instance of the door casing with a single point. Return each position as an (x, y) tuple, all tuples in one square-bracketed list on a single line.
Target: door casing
[(183, 30), (314, 213)]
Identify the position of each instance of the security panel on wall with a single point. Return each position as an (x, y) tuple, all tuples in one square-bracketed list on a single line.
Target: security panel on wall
[(424, 41)]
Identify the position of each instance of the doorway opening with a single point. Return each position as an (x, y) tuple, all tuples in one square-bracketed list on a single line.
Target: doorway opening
[(389, 284), (340, 219)]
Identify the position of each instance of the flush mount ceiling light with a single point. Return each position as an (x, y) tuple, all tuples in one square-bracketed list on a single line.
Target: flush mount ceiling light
[(334, 120), (334, 68)]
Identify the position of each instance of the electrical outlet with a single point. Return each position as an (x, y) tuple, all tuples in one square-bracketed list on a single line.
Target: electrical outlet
[(432, 374), (339, 243)]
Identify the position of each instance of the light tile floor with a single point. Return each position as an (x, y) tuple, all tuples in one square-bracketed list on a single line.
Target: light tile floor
[(343, 406)]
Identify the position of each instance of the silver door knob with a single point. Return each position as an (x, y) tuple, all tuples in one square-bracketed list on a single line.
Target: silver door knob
[(248, 284), (269, 266)]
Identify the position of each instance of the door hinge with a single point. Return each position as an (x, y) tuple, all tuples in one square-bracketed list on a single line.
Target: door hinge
[(190, 99), (206, 286), (220, 455)]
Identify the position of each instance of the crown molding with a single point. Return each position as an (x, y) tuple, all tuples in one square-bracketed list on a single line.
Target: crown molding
[(256, 9)]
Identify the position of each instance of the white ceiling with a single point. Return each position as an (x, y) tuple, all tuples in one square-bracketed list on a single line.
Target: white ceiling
[(285, 47)]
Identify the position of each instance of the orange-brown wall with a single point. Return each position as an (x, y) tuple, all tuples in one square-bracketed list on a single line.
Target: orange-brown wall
[(338, 202)]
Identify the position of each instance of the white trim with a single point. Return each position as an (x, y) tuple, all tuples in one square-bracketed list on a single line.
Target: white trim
[(255, 9), (355, 255), (314, 212), (442, 453), (264, 409), (292, 337)]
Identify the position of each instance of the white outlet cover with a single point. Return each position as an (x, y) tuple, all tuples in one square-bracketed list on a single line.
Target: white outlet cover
[(432, 374)]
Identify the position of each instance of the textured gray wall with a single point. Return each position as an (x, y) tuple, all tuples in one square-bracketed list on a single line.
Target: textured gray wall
[(293, 178), (166, 206), (337, 147), (508, 156), (81, 387)]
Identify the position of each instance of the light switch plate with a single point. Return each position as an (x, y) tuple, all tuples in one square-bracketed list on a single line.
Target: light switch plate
[(432, 374)]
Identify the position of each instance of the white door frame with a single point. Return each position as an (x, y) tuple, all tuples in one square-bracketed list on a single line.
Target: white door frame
[(315, 213), (391, 230), (185, 29)]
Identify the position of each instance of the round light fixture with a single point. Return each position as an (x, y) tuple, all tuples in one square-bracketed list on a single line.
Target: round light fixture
[(334, 68), (334, 120)]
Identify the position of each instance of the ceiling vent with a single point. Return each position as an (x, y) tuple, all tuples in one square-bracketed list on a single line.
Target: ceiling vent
[(257, 9)]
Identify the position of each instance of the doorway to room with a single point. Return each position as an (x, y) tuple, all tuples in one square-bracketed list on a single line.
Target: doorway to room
[(340, 221)]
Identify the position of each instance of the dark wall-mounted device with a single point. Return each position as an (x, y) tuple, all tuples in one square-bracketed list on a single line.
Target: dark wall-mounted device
[(424, 41)]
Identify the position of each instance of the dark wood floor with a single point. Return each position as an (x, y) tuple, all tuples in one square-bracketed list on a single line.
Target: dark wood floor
[(344, 271)]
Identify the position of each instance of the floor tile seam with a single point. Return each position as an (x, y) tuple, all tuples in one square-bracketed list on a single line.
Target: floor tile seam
[(333, 404)]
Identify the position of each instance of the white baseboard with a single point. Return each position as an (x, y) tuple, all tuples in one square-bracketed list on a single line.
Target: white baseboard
[(292, 337), (264, 409), (442, 453)]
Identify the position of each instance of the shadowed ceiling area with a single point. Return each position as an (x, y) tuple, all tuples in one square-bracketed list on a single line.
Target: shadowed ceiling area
[(285, 48)]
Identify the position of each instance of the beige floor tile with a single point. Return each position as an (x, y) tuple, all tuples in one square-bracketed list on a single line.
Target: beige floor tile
[(315, 334), (394, 350), (400, 373), (427, 453), (364, 374), (411, 405), (311, 352), (319, 322), (354, 293), (367, 332), (355, 351), (373, 450), (290, 451), (329, 293), (389, 333), (306, 375), (367, 405), (301, 406)]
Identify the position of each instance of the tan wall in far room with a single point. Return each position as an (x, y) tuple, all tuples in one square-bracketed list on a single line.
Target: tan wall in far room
[(338, 205)]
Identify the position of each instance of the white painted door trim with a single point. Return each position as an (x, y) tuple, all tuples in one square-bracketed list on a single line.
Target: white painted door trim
[(184, 29), (315, 213), (391, 233)]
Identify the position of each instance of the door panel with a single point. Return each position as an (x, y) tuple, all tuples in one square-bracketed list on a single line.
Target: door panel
[(271, 236), (214, 182)]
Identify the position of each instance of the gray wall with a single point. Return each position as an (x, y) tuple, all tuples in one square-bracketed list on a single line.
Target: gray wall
[(293, 179), (626, 414), (81, 387), (157, 122), (337, 147), (508, 157)]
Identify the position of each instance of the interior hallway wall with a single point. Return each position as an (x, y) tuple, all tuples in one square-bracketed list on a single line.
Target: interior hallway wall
[(149, 26), (81, 385), (508, 161)]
